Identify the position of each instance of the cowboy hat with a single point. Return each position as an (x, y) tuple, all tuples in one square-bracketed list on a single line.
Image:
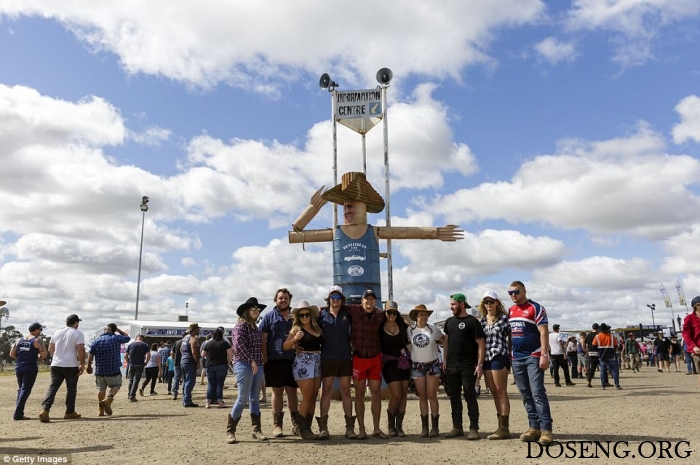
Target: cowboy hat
[(192, 327), (250, 303), (355, 188), (419, 308), (303, 305)]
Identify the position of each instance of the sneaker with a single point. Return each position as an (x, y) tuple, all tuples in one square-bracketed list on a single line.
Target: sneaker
[(154, 393), (133, 399), (557, 385), (191, 404), (546, 438), (44, 416), (72, 416), (570, 384), (533, 434), (619, 388)]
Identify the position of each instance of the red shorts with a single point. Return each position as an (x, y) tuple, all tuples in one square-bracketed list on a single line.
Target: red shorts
[(367, 368)]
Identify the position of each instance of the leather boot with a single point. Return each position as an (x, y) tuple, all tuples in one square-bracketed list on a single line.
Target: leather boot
[(435, 428), (231, 429), (399, 424), (257, 429), (350, 427), (277, 431), (295, 422), (323, 427), (391, 427), (424, 426), (304, 423), (108, 405), (503, 431)]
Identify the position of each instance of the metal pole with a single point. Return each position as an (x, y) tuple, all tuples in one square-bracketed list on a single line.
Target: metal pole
[(335, 155), (389, 263), (144, 209)]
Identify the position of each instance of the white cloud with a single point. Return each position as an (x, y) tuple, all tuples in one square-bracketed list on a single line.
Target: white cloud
[(635, 23), (689, 128), (622, 185), (260, 46), (152, 136), (555, 51)]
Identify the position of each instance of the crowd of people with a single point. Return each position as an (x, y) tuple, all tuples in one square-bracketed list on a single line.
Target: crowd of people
[(304, 348)]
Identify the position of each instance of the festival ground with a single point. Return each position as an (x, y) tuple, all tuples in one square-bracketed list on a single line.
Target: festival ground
[(652, 408)]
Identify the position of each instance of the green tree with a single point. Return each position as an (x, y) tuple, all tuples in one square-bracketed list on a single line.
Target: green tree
[(8, 336)]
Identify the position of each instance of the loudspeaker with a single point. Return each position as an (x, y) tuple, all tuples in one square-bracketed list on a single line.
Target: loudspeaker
[(384, 76), (325, 81)]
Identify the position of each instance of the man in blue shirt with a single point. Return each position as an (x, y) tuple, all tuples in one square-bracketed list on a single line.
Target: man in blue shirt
[(106, 351)]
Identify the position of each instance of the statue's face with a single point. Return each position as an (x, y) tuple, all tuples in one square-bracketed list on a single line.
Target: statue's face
[(355, 213)]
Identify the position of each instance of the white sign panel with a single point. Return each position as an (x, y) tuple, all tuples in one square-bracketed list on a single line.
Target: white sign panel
[(358, 104)]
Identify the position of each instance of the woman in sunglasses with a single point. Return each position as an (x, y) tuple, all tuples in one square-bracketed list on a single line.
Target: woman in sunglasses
[(307, 338), (494, 321)]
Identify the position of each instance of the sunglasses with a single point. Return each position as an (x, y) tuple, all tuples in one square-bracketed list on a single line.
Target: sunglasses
[(390, 313), (305, 315), (254, 309), (515, 292), (489, 301), (335, 297)]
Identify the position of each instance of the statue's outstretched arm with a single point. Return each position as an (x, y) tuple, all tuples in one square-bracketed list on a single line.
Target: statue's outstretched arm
[(314, 235), (448, 233), (311, 211)]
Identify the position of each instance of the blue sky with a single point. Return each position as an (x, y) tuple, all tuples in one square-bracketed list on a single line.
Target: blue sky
[(563, 137)]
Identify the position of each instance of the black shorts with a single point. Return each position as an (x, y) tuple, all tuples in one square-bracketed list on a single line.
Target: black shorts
[(278, 373), (391, 372), (336, 368), (663, 356)]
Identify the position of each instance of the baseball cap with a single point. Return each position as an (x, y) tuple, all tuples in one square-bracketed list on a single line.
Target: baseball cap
[(369, 293), (337, 289), (72, 319), (460, 298), (491, 294), (695, 301), (391, 305), (35, 326)]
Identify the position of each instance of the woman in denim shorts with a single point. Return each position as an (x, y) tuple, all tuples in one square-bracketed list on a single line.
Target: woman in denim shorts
[(426, 370), (494, 321)]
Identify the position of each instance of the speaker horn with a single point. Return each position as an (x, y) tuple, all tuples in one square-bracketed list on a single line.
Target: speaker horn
[(384, 76)]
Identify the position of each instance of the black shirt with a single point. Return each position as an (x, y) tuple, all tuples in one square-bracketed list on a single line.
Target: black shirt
[(462, 348)]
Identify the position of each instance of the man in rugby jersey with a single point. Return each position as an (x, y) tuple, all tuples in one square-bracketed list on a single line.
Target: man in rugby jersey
[(530, 336)]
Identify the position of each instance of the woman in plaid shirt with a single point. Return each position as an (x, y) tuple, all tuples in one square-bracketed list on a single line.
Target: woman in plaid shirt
[(494, 320)]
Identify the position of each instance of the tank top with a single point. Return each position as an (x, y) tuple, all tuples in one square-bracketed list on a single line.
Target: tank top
[(311, 343), (26, 356), (186, 350)]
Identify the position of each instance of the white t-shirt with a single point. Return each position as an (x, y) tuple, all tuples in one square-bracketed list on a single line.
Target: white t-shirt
[(554, 343), (424, 343), (66, 342)]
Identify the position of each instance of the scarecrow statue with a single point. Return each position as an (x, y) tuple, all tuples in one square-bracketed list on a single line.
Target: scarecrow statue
[(356, 243)]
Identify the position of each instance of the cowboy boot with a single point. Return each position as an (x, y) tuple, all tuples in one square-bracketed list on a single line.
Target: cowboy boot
[(295, 422), (435, 429), (503, 431), (424, 424), (277, 431), (231, 429), (399, 424), (257, 430), (323, 427), (391, 427), (108, 405), (350, 427), (304, 430)]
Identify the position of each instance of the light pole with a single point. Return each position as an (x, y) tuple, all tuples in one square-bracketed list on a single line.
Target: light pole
[(652, 307), (144, 209)]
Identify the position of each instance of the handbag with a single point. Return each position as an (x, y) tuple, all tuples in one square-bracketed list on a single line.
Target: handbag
[(404, 360)]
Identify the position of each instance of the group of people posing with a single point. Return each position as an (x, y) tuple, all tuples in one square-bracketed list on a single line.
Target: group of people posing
[(304, 348)]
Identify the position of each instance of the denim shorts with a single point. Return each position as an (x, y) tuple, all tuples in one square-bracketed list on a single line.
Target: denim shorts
[(497, 363), (103, 382), (306, 366), (420, 370)]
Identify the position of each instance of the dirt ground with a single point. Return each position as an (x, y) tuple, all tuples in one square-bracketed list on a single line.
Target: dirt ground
[(652, 407)]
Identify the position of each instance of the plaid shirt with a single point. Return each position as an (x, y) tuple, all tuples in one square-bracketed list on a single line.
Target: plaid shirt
[(164, 353), (364, 333), (497, 337), (106, 350), (247, 344)]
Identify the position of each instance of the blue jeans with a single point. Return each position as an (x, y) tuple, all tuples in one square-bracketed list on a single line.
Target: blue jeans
[(25, 383), (249, 386), (176, 380), (609, 366), (216, 375), (58, 375), (689, 363), (530, 380), (189, 373)]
